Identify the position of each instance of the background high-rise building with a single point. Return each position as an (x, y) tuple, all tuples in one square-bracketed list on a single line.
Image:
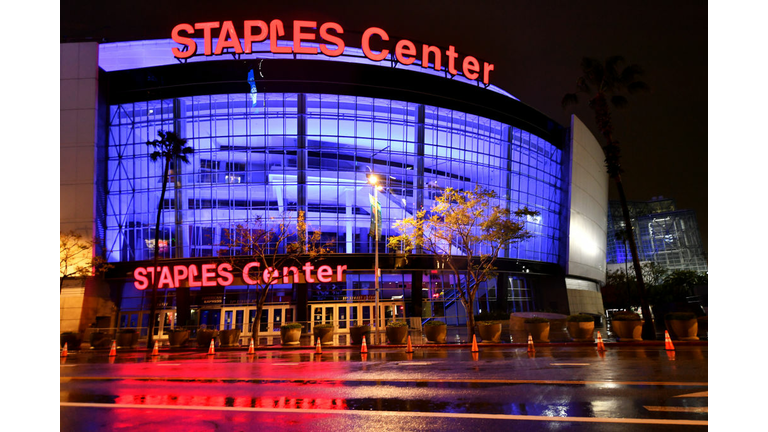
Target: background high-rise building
[(663, 234)]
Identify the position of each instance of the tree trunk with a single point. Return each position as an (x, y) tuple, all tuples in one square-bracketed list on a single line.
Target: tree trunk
[(256, 324), (649, 331), (156, 277)]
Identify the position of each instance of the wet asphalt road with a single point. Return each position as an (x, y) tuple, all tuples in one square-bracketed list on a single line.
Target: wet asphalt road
[(627, 388)]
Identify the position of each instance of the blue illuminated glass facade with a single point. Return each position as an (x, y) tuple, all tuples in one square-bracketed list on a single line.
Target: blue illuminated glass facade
[(301, 151)]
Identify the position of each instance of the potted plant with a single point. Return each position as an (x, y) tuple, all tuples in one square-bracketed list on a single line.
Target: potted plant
[(127, 338), (627, 326), (538, 328), (358, 332), (489, 331), (205, 336), (581, 327), (290, 333), (682, 326), (230, 338), (72, 339), (397, 332), (435, 331), (324, 332), (178, 337)]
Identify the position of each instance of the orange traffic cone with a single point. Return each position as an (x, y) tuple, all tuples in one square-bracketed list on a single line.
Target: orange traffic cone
[(318, 349), (530, 344), (154, 350), (210, 349), (474, 344), (409, 348), (668, 341), (600, 344), (364, 348), (64, 351), (251, 348), (113, 350)]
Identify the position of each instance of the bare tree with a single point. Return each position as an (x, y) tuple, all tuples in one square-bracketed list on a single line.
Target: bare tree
[(272, 245)]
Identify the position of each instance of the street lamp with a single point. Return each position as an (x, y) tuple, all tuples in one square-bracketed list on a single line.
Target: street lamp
[(373, 180)]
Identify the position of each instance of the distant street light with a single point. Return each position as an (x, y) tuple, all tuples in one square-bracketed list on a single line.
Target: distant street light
[(373, 180)]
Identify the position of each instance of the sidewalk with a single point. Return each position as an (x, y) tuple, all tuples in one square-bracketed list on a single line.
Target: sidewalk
[(456, 338)]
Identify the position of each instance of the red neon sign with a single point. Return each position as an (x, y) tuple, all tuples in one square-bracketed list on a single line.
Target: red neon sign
[(331, 45), (221, 275)]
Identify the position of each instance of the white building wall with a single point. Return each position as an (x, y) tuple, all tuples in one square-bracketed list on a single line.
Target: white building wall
[(589, 206), (79, 83)]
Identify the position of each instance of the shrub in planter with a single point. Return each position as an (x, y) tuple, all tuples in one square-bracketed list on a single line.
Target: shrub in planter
[(581, 327), (489, 331), (397, 332), (127, 338), (435, 331), (538, 328), (230, 338), (205, 336), (72, 339), (324, 332), (682, 326), (178, 337), (290, 333), (627, 326), (358, 332)]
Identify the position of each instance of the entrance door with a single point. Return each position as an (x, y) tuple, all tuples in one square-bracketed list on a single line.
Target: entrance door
[(345, 315), (168, 317), (243, 317), (210, 318)]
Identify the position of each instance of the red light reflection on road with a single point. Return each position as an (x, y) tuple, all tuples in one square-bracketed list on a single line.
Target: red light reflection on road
[(243, 401)]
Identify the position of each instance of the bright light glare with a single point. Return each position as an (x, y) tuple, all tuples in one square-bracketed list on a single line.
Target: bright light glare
[(372, 179)]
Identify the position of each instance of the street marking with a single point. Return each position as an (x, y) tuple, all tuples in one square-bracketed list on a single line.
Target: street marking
[(570, 364), (415, 363), (398, 414), (699, 394), (406, 380), (677, 409), (168, 364), (285, 364)]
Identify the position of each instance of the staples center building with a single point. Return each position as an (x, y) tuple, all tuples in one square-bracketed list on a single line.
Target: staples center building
[(289, 117)]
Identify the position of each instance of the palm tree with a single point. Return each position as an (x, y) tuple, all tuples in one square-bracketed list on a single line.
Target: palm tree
[(604, 82), (170, 149)]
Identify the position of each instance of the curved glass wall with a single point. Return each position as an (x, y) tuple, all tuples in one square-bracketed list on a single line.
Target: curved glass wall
[(287, 152)]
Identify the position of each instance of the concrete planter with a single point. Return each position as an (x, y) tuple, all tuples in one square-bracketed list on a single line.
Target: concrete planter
[(205, 336), (72, 340), (325, 334), (581, 331), (230, 338), (357, 333), (539, 331), (703, 323), (128, 338), (435, 333), (396, 335), (178, 338), (290, 336), (684, 330), (628, 331), (489, 333), (100, 340)]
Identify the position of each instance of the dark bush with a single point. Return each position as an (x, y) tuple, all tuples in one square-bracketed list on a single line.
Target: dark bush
[(683, 316), (580, 318)]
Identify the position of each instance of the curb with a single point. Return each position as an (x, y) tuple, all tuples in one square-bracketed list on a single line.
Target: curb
[(660, 344)]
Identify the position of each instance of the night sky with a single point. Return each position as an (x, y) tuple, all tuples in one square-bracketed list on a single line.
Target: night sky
[(536, 47)]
